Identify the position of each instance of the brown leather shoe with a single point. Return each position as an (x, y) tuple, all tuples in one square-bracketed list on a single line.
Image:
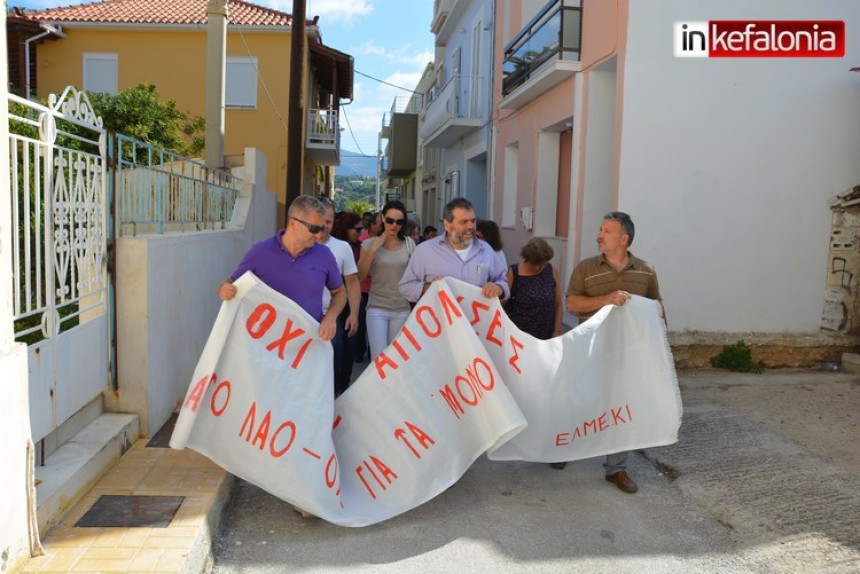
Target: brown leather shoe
[(622, 481), (558, 465)]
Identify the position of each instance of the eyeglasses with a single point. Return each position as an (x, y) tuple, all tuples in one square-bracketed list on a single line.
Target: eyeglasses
[(312, 228), (358, 228), (392, 221)]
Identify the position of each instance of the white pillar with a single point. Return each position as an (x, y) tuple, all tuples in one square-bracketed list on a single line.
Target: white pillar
[(216, 56), (6, 225), (18, 535)]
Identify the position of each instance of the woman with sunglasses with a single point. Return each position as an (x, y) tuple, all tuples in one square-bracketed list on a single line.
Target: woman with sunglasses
[(384, 258)]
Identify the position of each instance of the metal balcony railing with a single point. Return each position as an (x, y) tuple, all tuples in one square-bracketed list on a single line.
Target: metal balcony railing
[(554, 33), (323, 127), (459, 101)]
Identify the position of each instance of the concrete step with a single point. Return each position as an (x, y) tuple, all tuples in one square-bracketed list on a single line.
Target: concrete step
[(71, 471)]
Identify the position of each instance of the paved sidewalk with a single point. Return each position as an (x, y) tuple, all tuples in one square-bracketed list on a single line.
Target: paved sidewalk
[(182, 545)]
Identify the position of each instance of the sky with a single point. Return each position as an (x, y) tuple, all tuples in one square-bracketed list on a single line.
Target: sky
[(389, 40)]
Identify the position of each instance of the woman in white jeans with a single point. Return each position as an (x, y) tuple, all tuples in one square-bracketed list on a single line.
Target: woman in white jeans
[(384, 258)]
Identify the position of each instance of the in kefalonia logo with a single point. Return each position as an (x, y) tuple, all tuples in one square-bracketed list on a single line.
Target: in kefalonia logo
[(759, 39)]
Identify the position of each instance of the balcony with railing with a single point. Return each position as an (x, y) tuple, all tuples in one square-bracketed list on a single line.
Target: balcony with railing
[(323, 136), (400, 128), (441, 10), (543, 54), (453, 112)]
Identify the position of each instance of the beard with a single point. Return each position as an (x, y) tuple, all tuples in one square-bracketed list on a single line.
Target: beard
[(462, 241)]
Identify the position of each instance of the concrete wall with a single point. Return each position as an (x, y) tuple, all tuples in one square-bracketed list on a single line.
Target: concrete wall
[(15, 428), (167, 302), (15, 480), (727, 166)]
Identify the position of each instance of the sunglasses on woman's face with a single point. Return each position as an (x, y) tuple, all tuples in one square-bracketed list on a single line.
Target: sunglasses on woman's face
[(392, 221), (312, 228)]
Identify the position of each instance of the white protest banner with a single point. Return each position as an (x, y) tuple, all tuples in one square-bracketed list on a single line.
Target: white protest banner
[(261, 404), (607, 386)]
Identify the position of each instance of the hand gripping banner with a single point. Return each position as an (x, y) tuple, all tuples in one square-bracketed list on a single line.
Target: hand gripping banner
[(459, 380)]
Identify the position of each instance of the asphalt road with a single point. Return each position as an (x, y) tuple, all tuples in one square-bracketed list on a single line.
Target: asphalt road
[(765, 478)]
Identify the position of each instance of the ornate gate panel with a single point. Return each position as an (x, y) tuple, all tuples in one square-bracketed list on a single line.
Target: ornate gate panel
[(61, 283)]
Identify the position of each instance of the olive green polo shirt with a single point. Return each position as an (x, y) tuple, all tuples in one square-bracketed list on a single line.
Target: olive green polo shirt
[(594, 276)]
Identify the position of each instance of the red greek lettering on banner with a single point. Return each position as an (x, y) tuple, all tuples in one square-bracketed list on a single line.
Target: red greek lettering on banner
[(198, 390)]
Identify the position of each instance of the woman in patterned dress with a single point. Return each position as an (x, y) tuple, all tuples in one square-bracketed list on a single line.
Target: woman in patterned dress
[(535, 302)]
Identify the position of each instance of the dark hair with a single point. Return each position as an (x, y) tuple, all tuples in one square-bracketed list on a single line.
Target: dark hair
[(430, 229), (626, 224), (343, 224), (376, 215), (409, 226), (461, 202), (394, 204), (536, 251), (490, 232)]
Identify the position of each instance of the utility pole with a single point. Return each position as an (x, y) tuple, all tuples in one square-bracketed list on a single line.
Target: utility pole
[(295, 145), (378, 171), (216, 51)]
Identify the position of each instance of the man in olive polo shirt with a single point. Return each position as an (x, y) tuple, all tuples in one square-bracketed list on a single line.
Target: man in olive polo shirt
[(611, 278)]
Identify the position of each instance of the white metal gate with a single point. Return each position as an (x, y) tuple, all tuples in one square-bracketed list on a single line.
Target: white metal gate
[(61, 285)]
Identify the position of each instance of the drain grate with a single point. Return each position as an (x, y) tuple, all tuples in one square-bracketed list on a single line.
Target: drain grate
[(161, 439), (141, 511)]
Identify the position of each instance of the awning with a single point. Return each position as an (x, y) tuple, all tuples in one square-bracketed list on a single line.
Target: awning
[(333, 70)]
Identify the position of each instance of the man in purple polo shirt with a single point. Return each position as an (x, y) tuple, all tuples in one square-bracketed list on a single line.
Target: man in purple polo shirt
[(295, 265), (458, 254)]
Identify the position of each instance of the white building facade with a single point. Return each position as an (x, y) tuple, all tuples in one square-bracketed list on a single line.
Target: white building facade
[(457, 117), (728, 166)]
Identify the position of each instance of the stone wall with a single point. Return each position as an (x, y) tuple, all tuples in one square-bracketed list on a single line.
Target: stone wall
[(841, 311), (693, 349)]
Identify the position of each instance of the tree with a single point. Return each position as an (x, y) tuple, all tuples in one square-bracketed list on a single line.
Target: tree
[(138, 112), (359, 206)]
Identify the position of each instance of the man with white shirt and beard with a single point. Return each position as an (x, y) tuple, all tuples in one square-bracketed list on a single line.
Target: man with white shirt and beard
[(458, 254)]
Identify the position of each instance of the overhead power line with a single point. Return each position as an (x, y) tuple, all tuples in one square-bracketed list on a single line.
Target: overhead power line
[(387, 83), (346, 119)]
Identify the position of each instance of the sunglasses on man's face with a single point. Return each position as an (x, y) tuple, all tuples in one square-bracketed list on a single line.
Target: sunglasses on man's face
[(392, 221), (312, 228)]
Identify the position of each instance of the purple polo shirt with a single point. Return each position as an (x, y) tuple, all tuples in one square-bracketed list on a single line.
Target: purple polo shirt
[(302, 278)]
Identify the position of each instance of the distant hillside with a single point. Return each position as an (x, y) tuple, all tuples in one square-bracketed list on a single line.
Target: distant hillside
[(352, 163)]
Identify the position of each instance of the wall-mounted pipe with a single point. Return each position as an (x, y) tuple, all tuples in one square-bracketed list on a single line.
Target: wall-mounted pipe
[(48, 30)]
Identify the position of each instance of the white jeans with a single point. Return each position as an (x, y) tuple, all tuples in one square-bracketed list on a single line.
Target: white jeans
[(382, 327)]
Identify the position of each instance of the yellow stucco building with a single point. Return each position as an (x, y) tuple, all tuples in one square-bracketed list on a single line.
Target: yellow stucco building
[(117, 44)]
